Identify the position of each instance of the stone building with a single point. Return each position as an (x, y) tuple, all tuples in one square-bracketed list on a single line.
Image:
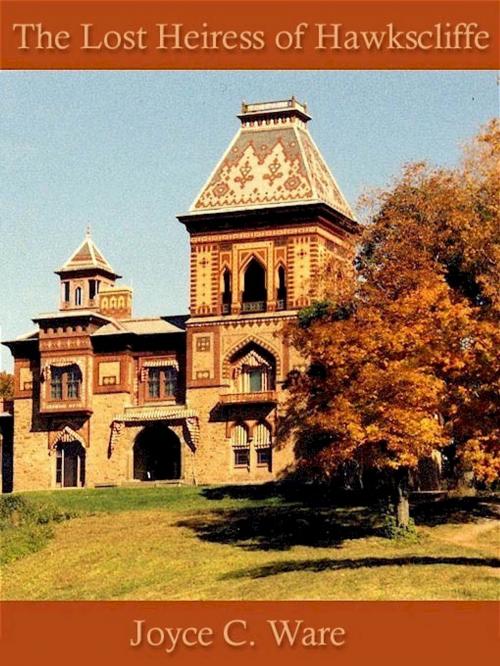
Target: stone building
[(104, 398)]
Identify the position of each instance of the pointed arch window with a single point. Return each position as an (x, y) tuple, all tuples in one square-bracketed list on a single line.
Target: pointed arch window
[(254, 288), (78, 296), (227, 293), (281, 291), (255, 374)]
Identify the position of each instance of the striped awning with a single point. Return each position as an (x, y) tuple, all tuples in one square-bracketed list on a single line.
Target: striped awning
[(261, 436), (160, 413), (57, 363), (149, 414), (161, 363)]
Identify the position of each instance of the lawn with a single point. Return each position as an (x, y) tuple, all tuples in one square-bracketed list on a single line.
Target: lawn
[(250, 542)]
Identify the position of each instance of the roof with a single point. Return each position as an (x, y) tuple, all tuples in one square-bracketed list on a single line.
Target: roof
[(144, 326), (70, 314), (271, 161), (87, 257), (27, 337)]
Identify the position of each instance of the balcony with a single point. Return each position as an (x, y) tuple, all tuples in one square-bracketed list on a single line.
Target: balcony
[(259, 397), (253, 306)]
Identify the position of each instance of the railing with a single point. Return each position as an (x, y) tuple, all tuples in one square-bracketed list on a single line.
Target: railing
[(241, 398), (281, 304), (226, 308), (253, 306)]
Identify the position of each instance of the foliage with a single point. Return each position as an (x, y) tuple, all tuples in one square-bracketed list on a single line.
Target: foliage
[(391, 530), (26, 525), (6, 385), (412, 365)]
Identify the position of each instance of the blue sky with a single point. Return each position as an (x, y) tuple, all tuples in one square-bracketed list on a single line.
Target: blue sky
[(127, 151)]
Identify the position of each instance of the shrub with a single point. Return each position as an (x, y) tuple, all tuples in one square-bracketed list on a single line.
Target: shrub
[(391, 530), (25, 525)]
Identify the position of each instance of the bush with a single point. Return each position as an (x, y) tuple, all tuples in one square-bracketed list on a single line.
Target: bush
[(391, 530), (25, 526)]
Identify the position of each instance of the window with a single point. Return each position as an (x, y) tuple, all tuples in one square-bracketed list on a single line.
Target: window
[(264, 457), (241, 457), (93, 288), (65, 383), (240, 444), (78, 296), (253, 370), (226, 293), (254, 293), (56, 384), (66, 292), (262, 443), (281, 293), (256, 380), (162, 383), (73, 383)]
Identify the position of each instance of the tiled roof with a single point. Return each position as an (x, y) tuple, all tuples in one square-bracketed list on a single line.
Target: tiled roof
[(145, 326), (272, 160), (87, 257)]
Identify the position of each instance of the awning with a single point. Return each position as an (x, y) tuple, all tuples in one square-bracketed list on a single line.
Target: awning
[(161, 413), (161, 363)]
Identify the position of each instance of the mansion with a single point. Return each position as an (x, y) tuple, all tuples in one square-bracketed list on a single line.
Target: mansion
[(104, 398)]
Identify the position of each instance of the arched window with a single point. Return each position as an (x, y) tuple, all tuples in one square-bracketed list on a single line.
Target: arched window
[(253, 370), (240, 445), (262, 444), (78, 296), (226, 291), (254, 288), (281, 292)]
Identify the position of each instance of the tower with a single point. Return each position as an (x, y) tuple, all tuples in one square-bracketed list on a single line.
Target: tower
[(264, 227), (89, 283)]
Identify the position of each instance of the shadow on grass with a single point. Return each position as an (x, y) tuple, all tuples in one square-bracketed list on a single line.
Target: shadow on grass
[(315, 516), (285, 526), (456, 510), (318, 566)]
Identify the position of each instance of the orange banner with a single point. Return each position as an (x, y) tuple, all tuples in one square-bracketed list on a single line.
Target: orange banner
[(249, 35), (246, 633)]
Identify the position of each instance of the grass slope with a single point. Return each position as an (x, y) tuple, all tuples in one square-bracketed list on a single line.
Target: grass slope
[(252, 543)]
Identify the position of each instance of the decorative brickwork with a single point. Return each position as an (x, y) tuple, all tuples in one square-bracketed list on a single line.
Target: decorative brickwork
[(103, 398)]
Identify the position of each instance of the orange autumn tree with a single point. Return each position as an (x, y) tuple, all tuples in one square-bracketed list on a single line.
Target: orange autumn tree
[(408, 363)]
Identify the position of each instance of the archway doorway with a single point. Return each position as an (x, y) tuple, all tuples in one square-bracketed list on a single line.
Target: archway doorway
[(157, 454), (70, 465)]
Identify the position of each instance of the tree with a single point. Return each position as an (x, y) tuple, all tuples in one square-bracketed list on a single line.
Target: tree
[(6, 385), (407, 363)]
